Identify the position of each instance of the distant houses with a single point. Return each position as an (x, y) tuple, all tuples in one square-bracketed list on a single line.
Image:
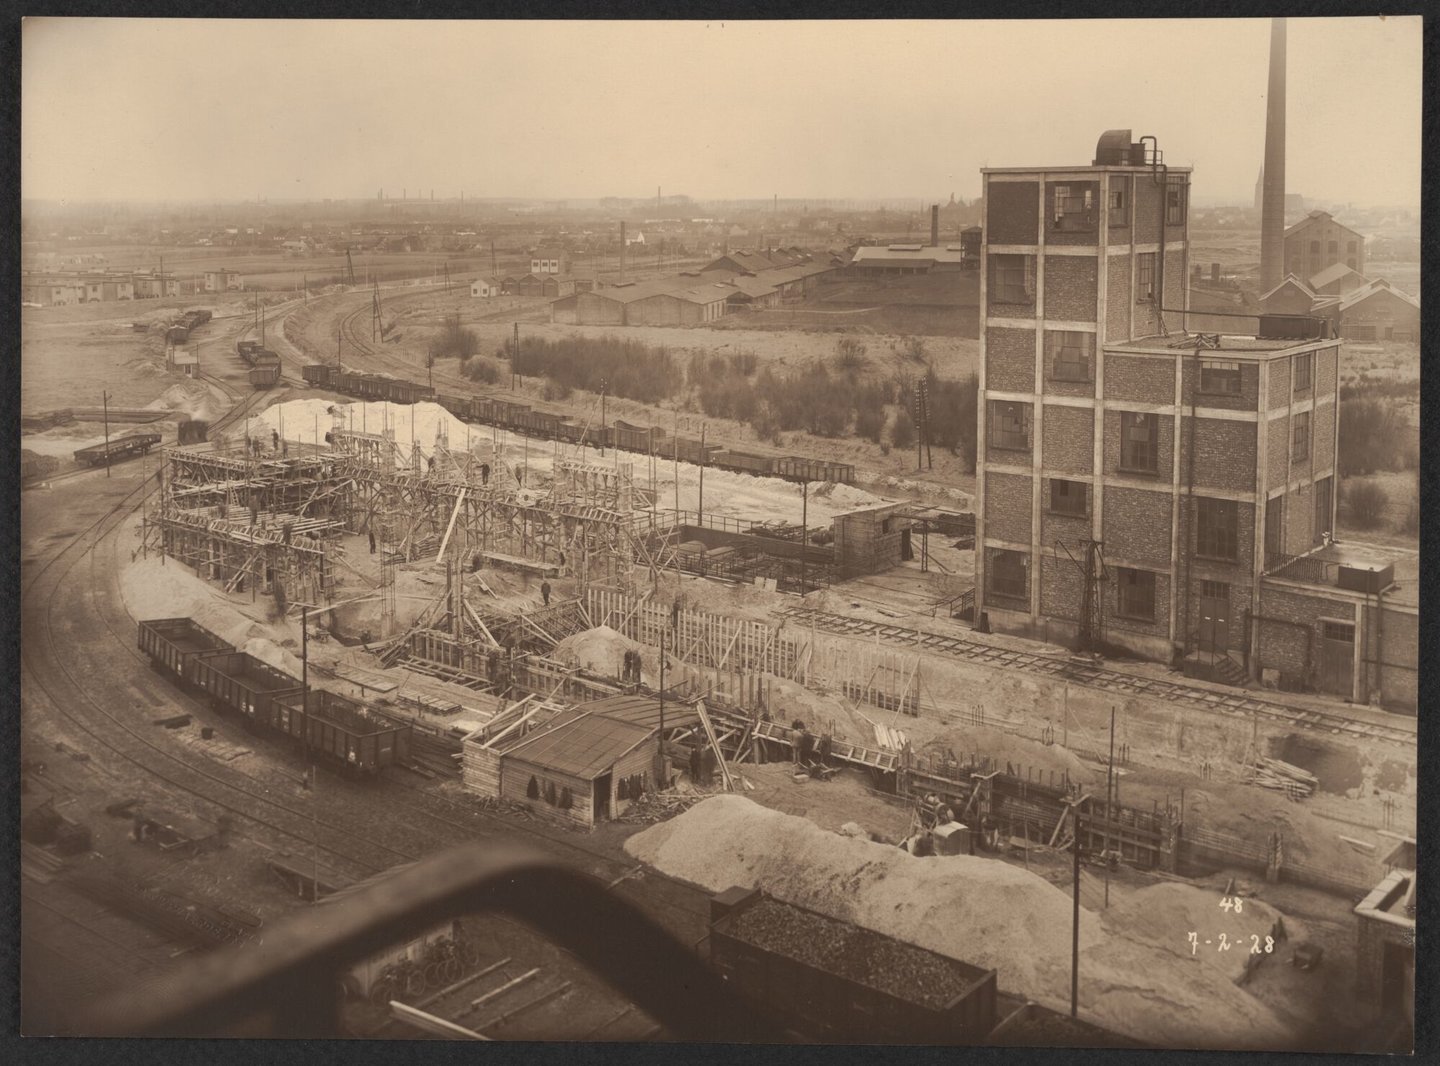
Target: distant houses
[(1361, 309)]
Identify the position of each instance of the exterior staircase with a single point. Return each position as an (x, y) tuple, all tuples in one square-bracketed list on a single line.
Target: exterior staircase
[(1221, 669)]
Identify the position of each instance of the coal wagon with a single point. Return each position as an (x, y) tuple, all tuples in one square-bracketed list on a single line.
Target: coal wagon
[(237, 681), (799, 468), (263, 377), (173, 644), (744, 462), (115, 450), (839, 983), (342, 731), (318, 374), (646, 439)]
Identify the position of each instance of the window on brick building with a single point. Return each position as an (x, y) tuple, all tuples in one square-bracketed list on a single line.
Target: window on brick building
[(1300, 439), (1175, 205), (1074, 207), (1304, 370), (1315, 248), (1333, 247), (1145, 276), (1135, 590), (1220, 377), (1139, 442), (1012, 279), (1008, 573), (1119, 214), (1069, 497), (1071, 354), (1350, 247), (1274, 527), (1010, 425), (1323, 489), (1217, 528)]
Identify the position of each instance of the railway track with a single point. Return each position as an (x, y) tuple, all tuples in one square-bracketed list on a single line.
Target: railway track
[(1094, 676)]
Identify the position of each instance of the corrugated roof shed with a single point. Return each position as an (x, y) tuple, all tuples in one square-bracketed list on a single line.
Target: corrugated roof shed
[(584, 746)]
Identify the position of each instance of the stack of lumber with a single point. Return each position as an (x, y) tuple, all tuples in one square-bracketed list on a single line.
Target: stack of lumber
[(889, 739), (1295, 782)]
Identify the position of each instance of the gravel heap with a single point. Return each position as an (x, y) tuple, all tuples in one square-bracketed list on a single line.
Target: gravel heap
[(852, 952)]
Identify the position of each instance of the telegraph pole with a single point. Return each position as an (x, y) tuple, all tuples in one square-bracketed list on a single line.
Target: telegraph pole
[(602, 418), (804, 530), (1109, 801), (105, 412), (1075, 920), (702, 474)]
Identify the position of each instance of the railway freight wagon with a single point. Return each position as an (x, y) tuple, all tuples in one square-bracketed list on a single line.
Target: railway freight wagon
[(174, 643), (263, 377), (237, 681), (343, 731), (840, 983), (320, 375), (123, 448), (798, 468), (745, 462)]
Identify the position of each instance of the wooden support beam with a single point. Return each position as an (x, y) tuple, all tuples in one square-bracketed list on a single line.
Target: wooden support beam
[(480, 1001), (431, 1023)]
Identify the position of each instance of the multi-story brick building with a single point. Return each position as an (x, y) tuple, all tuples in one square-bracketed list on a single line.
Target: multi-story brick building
[(1130, 473), (1317, 241)]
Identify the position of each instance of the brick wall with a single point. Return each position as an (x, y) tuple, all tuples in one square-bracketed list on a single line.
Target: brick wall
[(1281, 641), (1007, 507), (1277, 450), (1325, 369), (1299, 532), (1061, 588), (1009, 359), (1012, 212), (1372, 937), (1398, 658), (1175, 285), (1147, 211), (1322, 441), (1279, 383), (1164, 450), (1224, 454), (1144, 379), (1247, 400), (1117, 296), (1069, 439), (1069, 530), (1136, 526), (1071, 285)]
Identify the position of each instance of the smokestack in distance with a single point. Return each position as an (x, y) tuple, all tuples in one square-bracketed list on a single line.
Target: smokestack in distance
[(1272, 209), (934, 225)]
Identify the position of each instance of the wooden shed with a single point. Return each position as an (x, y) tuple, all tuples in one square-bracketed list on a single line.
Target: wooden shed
[(579, 764)]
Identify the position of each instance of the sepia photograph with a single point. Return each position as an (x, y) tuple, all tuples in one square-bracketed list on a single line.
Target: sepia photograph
[(889, 532)]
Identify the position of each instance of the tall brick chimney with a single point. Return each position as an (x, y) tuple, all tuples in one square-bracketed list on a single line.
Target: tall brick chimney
[(1272, 209), (934, 225)]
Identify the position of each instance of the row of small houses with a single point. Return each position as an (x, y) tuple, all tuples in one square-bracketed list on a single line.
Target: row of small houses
[(52, 289)]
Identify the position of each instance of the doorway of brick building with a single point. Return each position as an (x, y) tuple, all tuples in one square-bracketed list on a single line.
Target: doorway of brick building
[(1337, 659), (1214, 619)]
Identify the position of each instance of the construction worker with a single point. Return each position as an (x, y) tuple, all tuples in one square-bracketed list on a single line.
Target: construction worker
[(484, 473), (545, 592), (275, 439), (372, 542)]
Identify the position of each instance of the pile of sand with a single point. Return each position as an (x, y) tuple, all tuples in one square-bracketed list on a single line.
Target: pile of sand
[(193, 398), (1137, 974), (981, 911), (600, 651)]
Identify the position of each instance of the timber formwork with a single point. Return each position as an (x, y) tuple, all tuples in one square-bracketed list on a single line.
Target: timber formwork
[(277, 554)]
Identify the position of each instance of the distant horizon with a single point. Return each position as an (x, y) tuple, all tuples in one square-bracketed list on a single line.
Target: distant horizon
[(115, 109)]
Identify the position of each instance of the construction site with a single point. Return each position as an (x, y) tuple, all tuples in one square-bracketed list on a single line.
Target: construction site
[(357, 709)]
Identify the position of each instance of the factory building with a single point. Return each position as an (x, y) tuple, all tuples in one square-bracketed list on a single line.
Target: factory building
[(1317, 241), (1379, 312), (1132, 478), (224, 281)]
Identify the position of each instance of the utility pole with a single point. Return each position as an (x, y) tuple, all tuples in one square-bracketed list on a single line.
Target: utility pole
[(515, 360), (602, 418), (804, 530), (1109, 802), (105, 412), (660, 737), (702, 474), (1075, 920)]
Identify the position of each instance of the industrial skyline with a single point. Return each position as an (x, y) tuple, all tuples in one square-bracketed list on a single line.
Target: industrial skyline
[(714, 110)]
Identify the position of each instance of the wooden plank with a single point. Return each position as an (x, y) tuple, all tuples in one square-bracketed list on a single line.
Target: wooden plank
[(480, 1001), (431, 1023), (462, 983), (540, 1000)]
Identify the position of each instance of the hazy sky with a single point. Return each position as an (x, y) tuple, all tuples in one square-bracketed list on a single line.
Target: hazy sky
[(218, 109)]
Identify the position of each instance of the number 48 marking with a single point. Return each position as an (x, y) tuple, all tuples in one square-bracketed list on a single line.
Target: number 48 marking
[(1234, 903)]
